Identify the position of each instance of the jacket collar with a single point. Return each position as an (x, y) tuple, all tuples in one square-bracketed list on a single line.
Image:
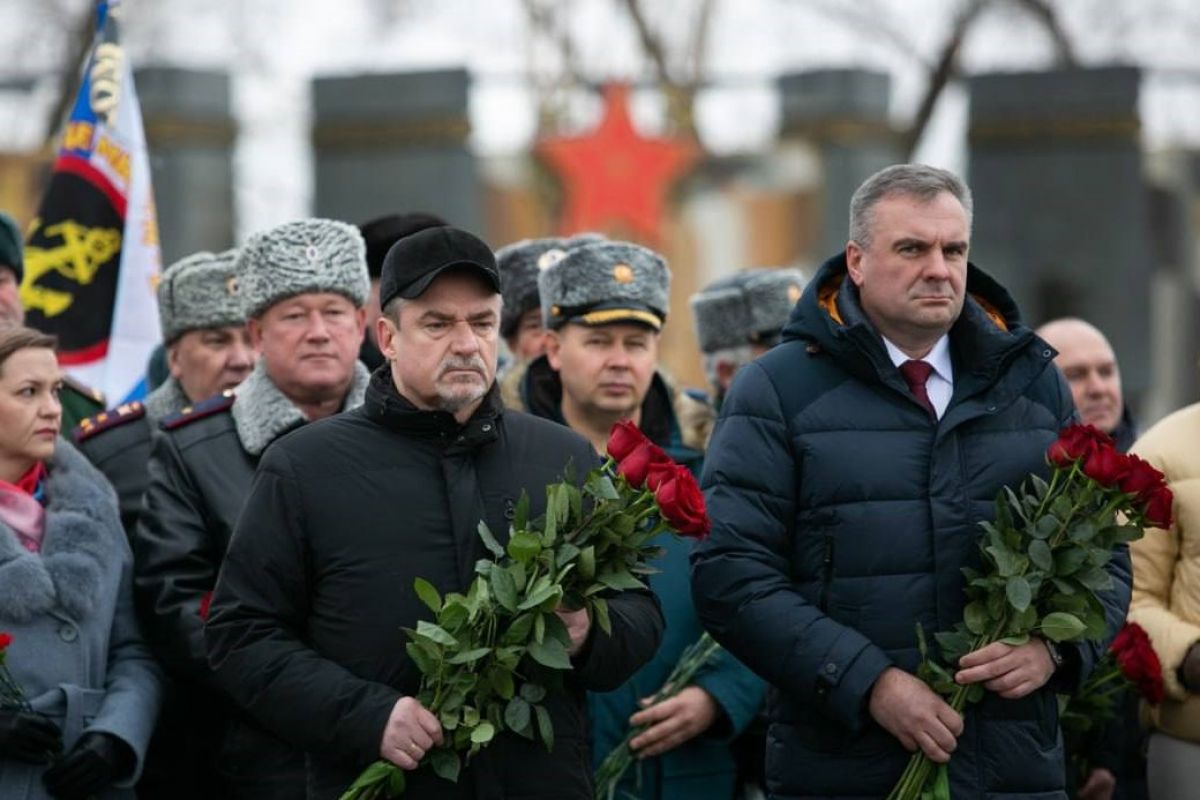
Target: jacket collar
[(385, 406), (262, 413), (166, 400), (83, 537), (987, 337)]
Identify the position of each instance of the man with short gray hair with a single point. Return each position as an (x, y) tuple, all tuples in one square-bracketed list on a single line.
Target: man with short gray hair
[(846, 480)]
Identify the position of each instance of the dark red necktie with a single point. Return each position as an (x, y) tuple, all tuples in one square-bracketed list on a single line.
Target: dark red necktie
[(916, 373)]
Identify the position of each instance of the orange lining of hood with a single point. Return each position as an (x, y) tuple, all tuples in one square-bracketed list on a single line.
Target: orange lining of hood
[(827, 300)]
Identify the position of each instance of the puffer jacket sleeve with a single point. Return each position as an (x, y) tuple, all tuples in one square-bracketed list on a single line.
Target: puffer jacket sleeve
[(255, 628), (1155, 557), (176, 563), (133, 683), (741, 576)]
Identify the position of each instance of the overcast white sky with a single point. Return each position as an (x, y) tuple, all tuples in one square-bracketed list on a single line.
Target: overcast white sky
[(272, 48)]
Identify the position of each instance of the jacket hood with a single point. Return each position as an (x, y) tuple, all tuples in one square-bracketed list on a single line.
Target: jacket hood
[(988, 334)]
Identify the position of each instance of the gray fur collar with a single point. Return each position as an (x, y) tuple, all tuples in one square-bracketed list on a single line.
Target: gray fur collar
[(166, 400), (83, 537), (262, 413)]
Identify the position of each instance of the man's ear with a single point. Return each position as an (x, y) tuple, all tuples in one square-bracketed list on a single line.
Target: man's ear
[(554, 350), (254, 327), (854, 260), (386, 335)]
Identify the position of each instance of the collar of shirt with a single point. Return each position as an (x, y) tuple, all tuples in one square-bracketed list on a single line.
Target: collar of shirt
[(941, 383)]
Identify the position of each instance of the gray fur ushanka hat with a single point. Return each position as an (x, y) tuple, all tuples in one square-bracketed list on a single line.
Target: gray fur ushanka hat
[(520, 264), (748, 307), (310, 255), (606, 282), (199, 291)]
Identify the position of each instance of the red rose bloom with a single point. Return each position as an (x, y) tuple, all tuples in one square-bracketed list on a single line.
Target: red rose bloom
[(624, 439), (205, 602), (1106, 466), (1142, 478), (1138, 662), (636, 466), (5, 641), (682, 504), (1157, 507), (1076, 443), (659, 473)]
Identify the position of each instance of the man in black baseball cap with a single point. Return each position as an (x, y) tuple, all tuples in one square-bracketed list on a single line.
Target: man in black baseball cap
[(398, 487)]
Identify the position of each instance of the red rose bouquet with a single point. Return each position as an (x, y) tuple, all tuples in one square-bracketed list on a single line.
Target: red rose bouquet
[(1042, 567), (1130, 665), (488, 658), (11, 695)]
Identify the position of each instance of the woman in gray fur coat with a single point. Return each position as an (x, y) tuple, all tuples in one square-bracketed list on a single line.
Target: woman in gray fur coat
[(66, 601)]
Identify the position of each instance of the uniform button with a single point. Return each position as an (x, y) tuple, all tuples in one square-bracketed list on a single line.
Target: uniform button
[(1047, 353), (460, 438), (487, 428), (831, 669), (992, 409), (68, 633)]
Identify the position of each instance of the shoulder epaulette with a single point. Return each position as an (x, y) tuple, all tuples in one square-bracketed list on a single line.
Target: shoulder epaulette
[(106, 420), (85, 390), (205, 408)]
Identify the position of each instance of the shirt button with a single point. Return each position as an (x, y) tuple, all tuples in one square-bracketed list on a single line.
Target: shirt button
[(831, 669), (68, 633)]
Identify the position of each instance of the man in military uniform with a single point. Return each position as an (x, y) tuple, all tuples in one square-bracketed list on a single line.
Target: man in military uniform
[(604, 305), (78, 401), (208, 352), (380, 234), (520, 264), (302, 286)]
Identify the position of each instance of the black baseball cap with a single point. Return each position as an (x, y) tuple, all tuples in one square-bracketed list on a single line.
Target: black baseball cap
[(416, 260)]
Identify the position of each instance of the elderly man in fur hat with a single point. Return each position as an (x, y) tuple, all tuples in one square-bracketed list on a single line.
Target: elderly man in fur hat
[(208, 352), (302, 287), (604, 306)]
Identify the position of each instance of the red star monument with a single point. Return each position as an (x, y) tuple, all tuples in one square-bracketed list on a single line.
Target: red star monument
[(613, 176)]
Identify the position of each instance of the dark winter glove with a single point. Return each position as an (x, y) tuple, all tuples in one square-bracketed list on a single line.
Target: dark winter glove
[(28, 737), (95, 761)]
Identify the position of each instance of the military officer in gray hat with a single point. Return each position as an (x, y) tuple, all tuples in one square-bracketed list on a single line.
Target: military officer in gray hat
[(604, 306), (740, 317), (302, 286), (208, 352), (520, 265)]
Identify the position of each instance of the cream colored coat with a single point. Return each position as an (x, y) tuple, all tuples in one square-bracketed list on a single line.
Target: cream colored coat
[(1166, 568)]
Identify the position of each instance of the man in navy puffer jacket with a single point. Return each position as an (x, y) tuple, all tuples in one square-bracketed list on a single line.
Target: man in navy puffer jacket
[(846, 479)]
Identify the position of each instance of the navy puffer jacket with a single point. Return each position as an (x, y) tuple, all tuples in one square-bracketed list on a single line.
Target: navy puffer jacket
[(842, 516)]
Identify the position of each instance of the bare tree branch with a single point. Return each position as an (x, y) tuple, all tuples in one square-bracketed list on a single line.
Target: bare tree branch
[(698, 49), (940, 75), (651, 44), (870, 19), (1045, 13)]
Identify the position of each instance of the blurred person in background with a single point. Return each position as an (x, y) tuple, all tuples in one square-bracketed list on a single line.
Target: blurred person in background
[(380, 234), (73, 644)]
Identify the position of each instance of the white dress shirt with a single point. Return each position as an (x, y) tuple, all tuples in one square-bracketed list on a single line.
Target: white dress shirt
[(940, 385)]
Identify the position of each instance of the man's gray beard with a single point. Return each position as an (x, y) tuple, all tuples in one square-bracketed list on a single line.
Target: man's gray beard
[(453, 403)]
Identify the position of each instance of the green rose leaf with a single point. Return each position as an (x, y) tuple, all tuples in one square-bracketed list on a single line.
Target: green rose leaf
[(423, 655), (600, 486), (540, 595), (484, 732), (377, 774), (445, 764), (489, 541), (533, 693), (1098, 580), (976, 617), (504, 588), (1040, 555), (502, 681), (470, 656), (1061, 626), (453, 615), (620, 580), (1083, 531), (600, 611), (1008, 563), (435, 633), (1019, 594), (524, 547), (545, 728), (586, 564), (395, 783), (550, 653), (1045, 527), (428, 594), (517, 716), (1068, 561)]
